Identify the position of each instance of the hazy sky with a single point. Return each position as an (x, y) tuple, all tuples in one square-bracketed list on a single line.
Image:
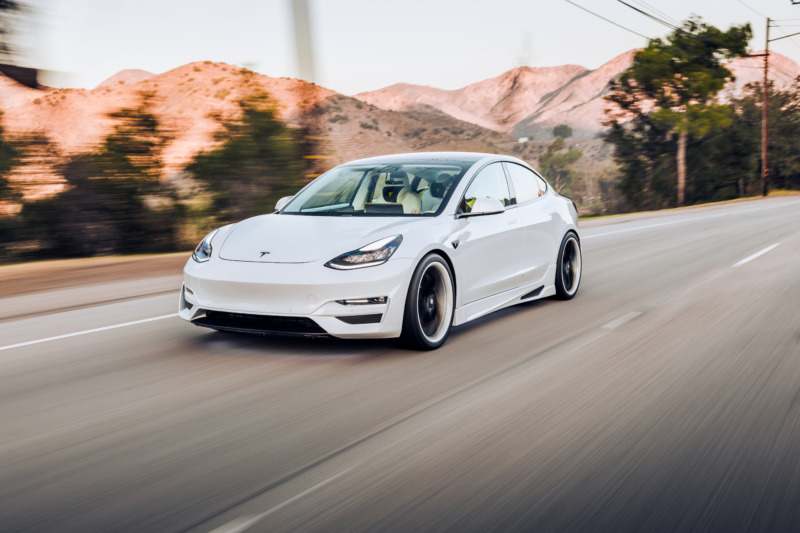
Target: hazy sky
[(363, 45)]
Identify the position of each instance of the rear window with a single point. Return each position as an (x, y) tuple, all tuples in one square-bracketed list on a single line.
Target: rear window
[(527, 185)]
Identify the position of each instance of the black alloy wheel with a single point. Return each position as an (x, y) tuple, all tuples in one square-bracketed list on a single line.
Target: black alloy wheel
[(569, 267), (429, 305)]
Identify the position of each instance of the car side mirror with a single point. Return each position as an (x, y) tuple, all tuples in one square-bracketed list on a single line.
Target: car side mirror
[(485, 206), (282, 202)]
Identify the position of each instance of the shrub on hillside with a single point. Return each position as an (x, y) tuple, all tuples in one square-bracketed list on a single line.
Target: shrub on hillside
[(257, 161), (108, 206)]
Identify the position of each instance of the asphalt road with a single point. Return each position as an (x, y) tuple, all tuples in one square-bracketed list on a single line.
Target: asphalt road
[(665, 397)]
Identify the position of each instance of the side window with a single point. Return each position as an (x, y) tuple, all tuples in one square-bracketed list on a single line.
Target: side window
[(542, 185), (489, 183), (527, 185)]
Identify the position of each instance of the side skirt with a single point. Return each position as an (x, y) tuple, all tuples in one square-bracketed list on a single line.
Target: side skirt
[(525, 293)]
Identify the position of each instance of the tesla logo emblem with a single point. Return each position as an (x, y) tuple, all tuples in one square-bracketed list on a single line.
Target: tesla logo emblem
[(264, 253)]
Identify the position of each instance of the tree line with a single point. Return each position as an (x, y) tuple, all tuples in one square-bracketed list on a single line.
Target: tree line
[(675, 141), (115, 201)]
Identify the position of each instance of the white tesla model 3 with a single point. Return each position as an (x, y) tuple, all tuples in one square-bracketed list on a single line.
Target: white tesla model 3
[(393, 246)]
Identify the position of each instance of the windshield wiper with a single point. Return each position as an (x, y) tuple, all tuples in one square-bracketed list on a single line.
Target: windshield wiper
[(326, 214)]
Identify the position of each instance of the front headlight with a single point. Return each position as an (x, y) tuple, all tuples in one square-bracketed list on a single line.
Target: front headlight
[(373, 254), (202, 253)]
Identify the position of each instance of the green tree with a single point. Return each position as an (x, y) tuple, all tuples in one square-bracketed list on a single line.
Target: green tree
[(641, 150), (783, 136), (724, 164), (562, 130), (679, 78), (9, 158), (258, 160), (114, 201), (556, 163)]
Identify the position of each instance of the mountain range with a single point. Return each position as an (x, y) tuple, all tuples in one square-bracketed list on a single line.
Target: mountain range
[(529, 101), (190, 100)]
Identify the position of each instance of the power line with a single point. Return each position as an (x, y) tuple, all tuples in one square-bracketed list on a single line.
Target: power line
[(649, 15), (785, 35), (757, 12), (608, 20), (676, 29), (657, 12), (771, 67), (752, 9)]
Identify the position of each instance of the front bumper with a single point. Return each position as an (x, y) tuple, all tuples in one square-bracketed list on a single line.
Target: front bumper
[(284, 297)]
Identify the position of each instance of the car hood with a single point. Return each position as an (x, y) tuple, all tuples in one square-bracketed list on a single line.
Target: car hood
[(278, 238)]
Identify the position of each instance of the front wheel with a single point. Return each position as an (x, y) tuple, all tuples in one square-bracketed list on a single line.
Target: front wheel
[(429, 305), (568, 267)]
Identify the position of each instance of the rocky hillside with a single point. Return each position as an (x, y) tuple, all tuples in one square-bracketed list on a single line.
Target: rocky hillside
[(529, 101), (189, 102), (130, 75), (497, 103)]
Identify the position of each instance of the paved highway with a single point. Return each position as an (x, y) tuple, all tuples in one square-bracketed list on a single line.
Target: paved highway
[(665, 397)]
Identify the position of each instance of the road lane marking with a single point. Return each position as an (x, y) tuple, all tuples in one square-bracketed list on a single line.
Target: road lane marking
[(85, 306), (649, 226), (617, 322), (244, 523), (670, 223), (755, 255), (86, 332)]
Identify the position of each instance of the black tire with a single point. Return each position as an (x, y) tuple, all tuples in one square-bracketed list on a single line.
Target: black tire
[(569, 267), (429, 305)]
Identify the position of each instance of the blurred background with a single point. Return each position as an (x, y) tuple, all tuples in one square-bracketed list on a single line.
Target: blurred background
[(664, 397), (137, 128)]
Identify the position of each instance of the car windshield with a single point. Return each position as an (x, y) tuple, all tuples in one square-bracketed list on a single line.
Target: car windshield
[(380, 189)]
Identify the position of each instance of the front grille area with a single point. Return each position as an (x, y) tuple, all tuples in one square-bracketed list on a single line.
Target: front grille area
[(263, 324)]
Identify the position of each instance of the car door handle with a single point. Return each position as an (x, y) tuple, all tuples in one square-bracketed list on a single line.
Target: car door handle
[(512, 221)]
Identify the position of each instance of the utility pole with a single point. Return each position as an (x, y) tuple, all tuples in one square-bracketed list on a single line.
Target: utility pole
[(764, 121), (302, 40), (765, 108)]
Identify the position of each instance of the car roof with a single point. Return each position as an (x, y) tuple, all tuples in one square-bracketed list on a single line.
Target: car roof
[(448, 157)]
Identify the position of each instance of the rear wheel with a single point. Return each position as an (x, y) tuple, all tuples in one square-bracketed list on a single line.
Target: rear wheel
[(569, 267), (429, 305)]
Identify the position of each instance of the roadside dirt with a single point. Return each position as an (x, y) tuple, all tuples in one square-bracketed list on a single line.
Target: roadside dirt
[(28, 278)]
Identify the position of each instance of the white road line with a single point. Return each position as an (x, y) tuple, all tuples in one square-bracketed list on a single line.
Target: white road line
[(617, 322), (637, 228), (86, 332), (244, 523), (755, 255), (682, 220)]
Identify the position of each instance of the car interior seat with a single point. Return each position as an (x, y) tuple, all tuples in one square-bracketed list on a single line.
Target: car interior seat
[(395, 189), (432, 196)]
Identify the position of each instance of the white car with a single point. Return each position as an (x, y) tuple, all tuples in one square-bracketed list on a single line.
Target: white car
[(393, 246)]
